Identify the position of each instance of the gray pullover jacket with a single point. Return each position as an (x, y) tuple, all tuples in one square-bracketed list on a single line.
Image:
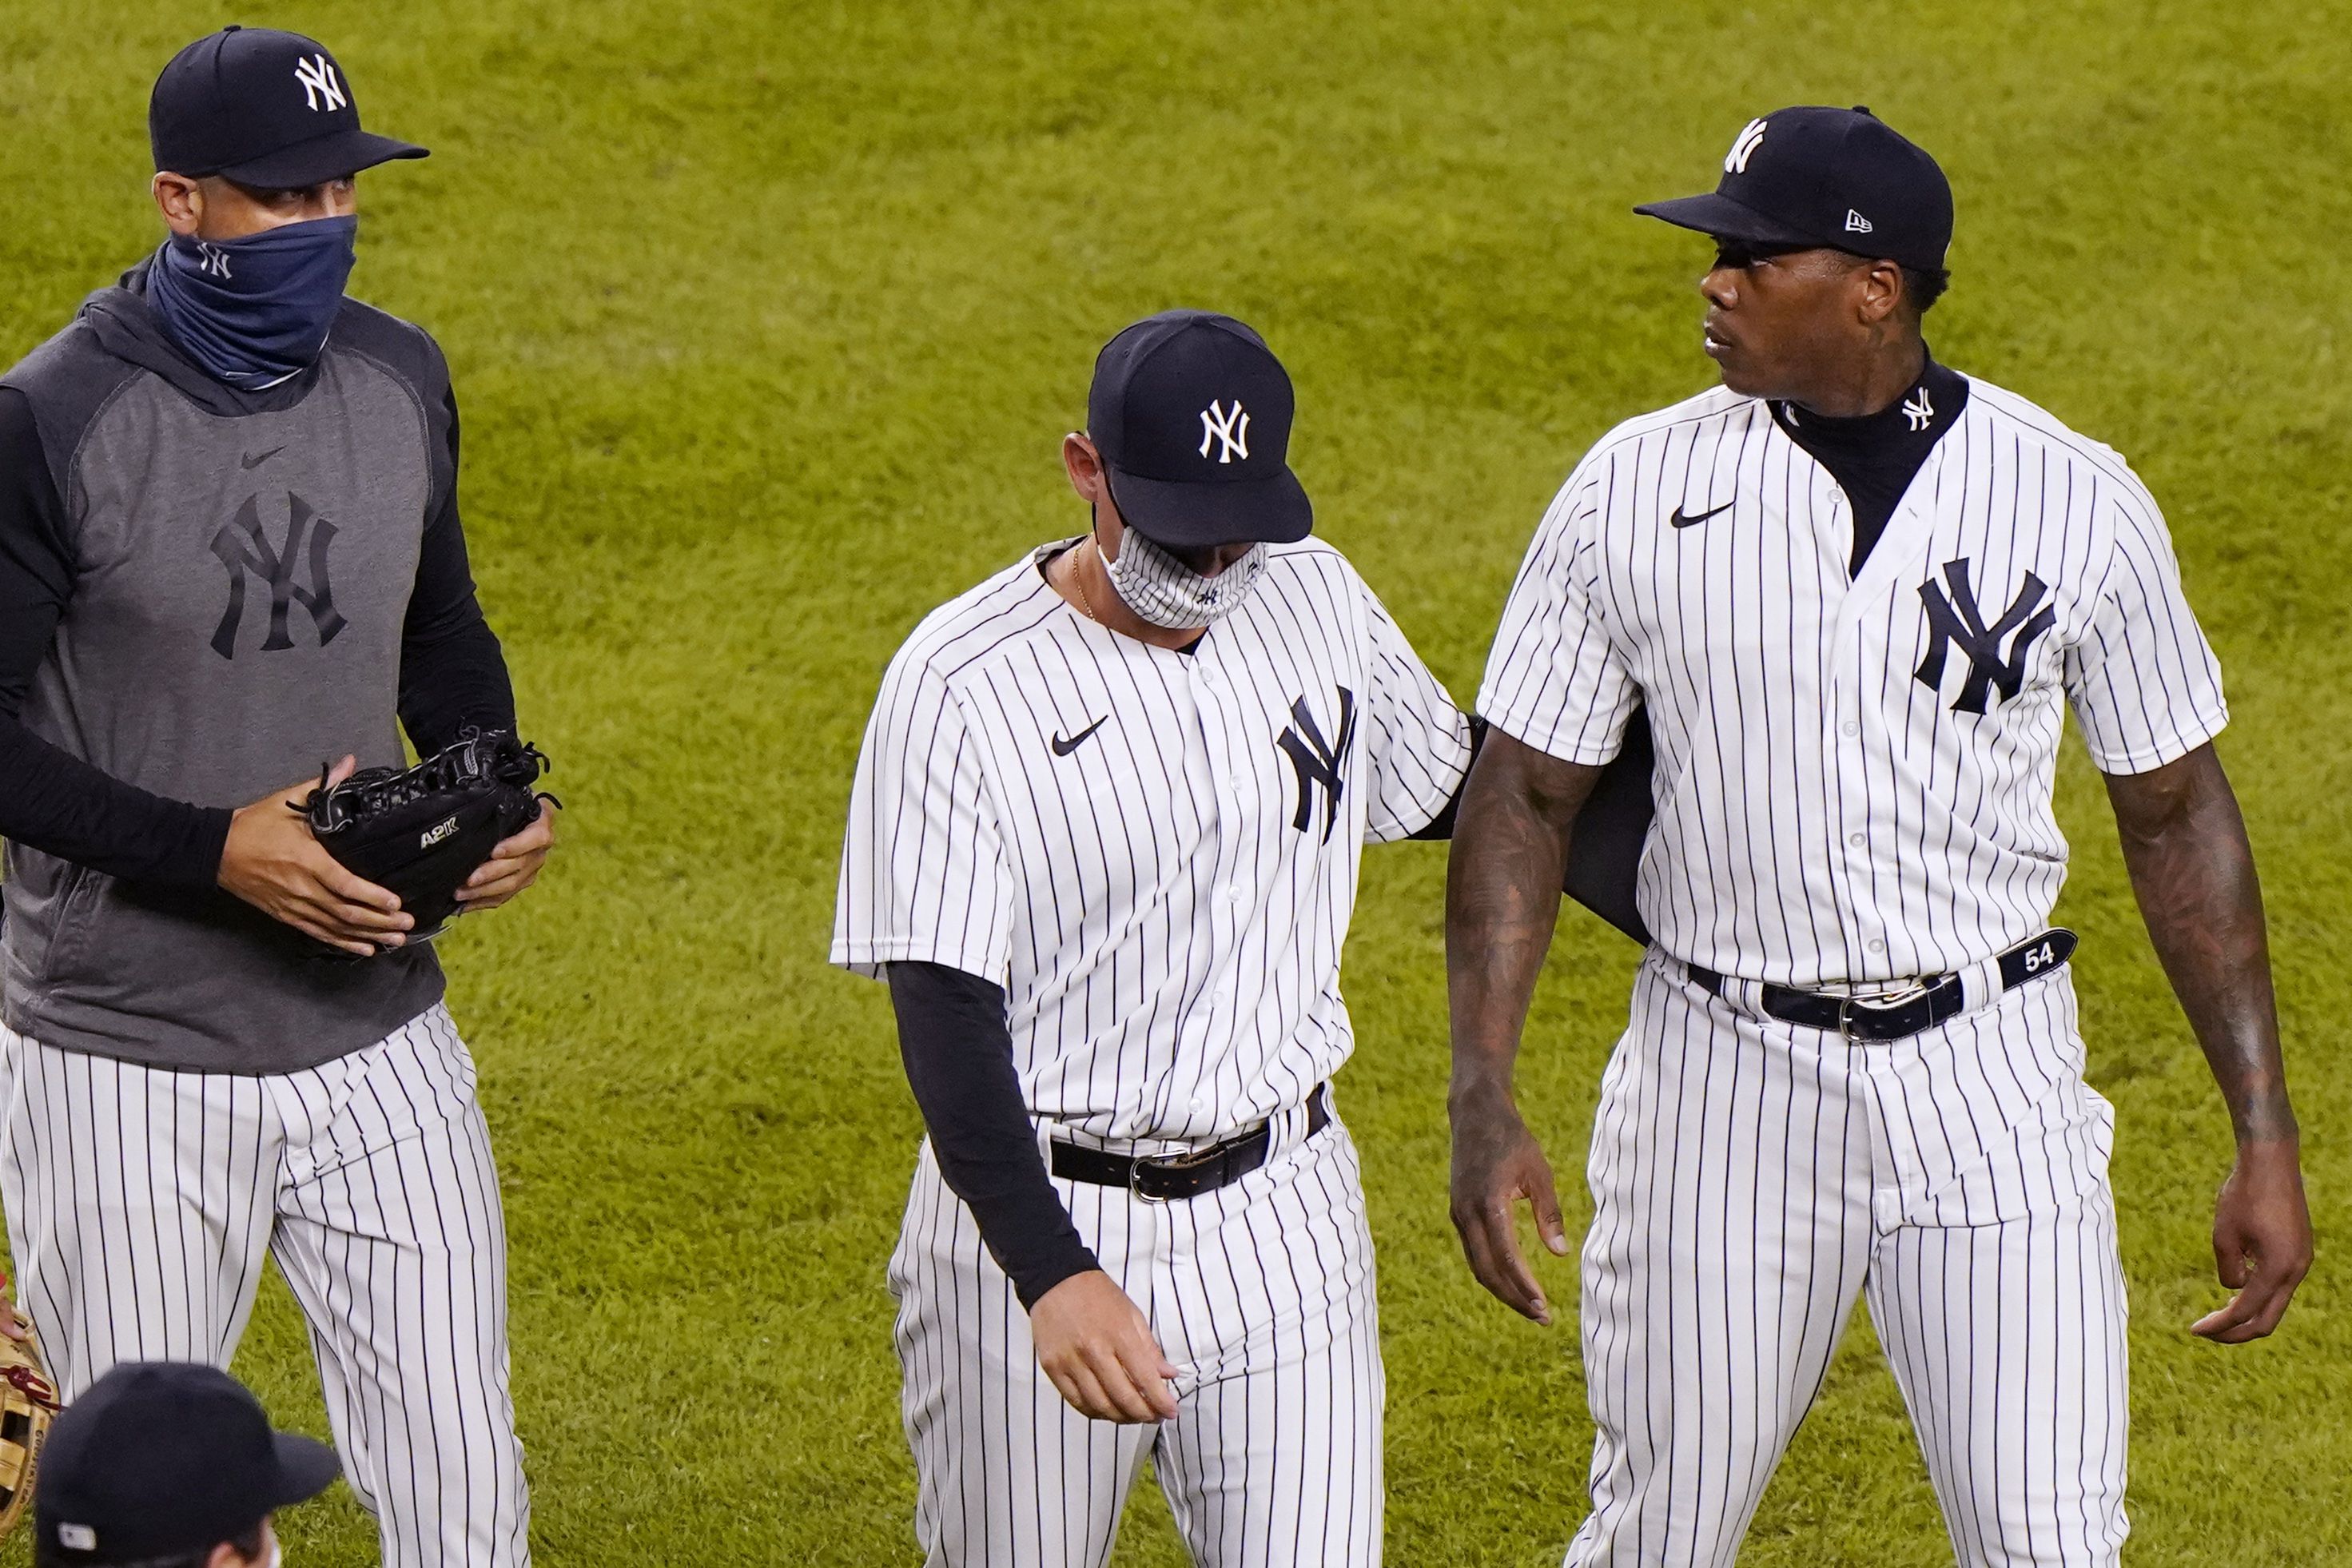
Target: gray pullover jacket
[(204, 594)]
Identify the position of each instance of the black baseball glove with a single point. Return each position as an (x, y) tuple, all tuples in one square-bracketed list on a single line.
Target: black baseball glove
[(420, 831)]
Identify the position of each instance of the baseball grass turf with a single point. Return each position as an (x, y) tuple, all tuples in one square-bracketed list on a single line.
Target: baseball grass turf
[(768, 319)]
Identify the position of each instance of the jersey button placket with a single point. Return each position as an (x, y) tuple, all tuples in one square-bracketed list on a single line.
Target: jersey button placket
[(1223, 701), (1212, 698), (1850, 769)]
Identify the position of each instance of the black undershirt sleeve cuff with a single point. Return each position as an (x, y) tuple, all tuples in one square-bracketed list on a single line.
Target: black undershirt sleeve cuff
[(958, 1058), (1442, 825), (61, 805)]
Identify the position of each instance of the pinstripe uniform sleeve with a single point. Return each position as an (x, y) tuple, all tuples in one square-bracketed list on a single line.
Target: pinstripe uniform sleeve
[(1418, 742), (2143, 681), (1554, 680), (924, 874)]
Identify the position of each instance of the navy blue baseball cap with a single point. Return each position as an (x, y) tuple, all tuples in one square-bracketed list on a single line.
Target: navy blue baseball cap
[(1808, 177), (1191, 412), (266, 108), (163, 1458)]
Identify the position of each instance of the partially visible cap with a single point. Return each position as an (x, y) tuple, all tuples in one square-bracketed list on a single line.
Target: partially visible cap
[(1838, 177), (162, 1457), (1191, 412), (263, 107)]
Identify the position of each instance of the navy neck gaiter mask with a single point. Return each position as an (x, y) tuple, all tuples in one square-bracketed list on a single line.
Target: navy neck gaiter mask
[(254, 311)]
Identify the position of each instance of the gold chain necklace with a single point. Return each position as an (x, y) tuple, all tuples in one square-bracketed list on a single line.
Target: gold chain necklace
[(1078, 581)]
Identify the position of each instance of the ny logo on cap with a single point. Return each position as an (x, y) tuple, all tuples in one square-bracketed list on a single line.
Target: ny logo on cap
[(317, 75), (1736, 160), (211, 259), (1229, 427)]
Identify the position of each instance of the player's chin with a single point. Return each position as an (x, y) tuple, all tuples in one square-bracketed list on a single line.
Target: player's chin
[(1737, 375)]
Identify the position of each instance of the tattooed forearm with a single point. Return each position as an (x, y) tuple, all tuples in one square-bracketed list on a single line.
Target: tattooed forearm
[(1503, 893), (2193, 872)]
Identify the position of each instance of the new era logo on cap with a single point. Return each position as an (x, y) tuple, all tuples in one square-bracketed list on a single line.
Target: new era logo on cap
[(1855, 222), (76, 1538)]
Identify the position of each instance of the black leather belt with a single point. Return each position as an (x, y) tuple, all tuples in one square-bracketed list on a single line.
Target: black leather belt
[(1184, 1175), (1929, 1003)]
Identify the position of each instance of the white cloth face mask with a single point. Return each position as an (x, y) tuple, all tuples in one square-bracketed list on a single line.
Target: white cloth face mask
[(1165, 592)]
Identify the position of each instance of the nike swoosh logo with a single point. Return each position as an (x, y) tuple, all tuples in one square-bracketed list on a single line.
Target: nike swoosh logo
[(260, 457), (1683, 520), (1064, 748)]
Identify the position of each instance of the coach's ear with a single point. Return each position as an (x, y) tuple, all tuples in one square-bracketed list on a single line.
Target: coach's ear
[(181, 200), (1085, 468)]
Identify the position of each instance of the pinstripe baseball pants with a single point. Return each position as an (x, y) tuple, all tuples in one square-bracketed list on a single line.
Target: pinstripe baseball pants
[(141, 1200), (1261, 1293), (1750, 1179)]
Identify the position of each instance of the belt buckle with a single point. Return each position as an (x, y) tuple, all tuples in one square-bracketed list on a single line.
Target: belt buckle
[(1174, 1163), (1886, 1003)]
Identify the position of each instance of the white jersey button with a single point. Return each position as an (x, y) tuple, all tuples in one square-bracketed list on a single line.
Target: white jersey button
[(1850, 728), (1856, 839)]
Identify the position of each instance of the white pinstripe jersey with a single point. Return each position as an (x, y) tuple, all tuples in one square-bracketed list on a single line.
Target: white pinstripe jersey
[(1853, 774), (1153, 852)]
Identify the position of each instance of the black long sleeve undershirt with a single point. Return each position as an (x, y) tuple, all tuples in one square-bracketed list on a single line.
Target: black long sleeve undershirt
[(959, 1057), (453, 673)]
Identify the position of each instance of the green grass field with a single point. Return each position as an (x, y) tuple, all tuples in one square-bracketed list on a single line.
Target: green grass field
[(768, 320)]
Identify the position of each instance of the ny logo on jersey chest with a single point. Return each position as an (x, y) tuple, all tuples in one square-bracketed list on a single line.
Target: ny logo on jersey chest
[(1997, 653), (1320, 765)]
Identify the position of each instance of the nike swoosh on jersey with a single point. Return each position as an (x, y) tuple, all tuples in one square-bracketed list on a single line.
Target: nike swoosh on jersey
[(1063, 748), (258, 458), (1683, 520)]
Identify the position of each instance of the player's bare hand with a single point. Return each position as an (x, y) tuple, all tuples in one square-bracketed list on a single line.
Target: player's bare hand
[(272, 862), (513, 865), (1496, 1165), (13, 1323), (1097, 1347), (2262, 1242)]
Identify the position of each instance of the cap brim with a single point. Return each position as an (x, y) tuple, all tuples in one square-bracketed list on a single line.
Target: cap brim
[(1195, 516), (305, 1468), (334, 156), (1717, 215)]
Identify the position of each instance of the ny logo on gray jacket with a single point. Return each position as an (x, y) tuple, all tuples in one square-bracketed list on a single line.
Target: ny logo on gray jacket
[(243, 547)]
